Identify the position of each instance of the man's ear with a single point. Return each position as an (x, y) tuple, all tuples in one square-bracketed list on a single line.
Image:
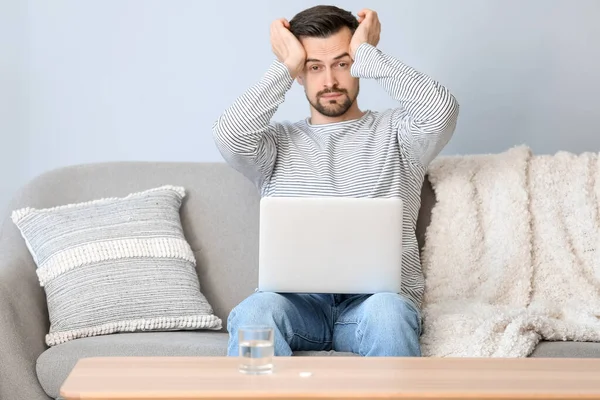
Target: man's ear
[(300, 79)]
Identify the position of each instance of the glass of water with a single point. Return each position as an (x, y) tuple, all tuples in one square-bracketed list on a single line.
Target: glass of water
[(257, 349)]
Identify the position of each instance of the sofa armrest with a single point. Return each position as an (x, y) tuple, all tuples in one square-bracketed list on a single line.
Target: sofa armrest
[(23, 318)]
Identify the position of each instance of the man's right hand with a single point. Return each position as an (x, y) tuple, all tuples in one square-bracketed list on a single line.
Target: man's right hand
[(287, 47)]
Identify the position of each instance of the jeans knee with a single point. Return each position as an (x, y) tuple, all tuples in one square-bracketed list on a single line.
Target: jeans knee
[(390, 325), (391, 310), (262, 308)]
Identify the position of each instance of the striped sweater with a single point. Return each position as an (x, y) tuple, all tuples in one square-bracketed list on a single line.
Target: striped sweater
[(381, 154)]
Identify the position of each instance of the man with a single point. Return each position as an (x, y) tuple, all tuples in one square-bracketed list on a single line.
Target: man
[(340, 150)]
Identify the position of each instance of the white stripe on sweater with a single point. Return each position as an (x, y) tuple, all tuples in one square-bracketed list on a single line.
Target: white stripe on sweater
[(381, 154)]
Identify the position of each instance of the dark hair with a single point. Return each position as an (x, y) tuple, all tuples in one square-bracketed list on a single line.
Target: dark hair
[(322, 21)]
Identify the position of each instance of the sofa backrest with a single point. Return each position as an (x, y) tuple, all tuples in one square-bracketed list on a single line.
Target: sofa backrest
[(219, 215)]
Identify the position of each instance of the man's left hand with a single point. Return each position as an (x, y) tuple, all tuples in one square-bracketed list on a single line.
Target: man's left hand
[(368, 30)]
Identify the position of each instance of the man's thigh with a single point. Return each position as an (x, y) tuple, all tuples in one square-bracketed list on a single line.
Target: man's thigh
[(311, 321), (304, 320), (377, 324)]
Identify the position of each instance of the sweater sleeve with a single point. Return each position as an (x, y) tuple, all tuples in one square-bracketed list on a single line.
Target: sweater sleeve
[(244, 133), (428, 112)]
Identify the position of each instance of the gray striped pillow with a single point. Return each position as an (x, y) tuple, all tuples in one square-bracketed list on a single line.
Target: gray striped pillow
[(116, 265)]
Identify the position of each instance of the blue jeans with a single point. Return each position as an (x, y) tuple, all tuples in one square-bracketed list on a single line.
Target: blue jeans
[(381, 324)]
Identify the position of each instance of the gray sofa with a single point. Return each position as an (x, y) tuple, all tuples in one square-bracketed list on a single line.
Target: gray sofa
[(220, 218)]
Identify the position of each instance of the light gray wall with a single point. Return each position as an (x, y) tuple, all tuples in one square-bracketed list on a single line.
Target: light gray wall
[(13, 119), (144, 80)]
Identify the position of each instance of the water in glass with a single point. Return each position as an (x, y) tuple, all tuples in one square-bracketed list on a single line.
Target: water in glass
[(256, 349)]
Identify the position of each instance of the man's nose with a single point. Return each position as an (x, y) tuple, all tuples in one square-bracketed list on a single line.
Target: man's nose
[(330, 80)]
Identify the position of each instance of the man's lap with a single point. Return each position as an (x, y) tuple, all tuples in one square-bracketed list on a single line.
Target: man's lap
[(335, 322)]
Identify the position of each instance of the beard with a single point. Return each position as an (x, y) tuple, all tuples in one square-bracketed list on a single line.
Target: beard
[(333, 107)]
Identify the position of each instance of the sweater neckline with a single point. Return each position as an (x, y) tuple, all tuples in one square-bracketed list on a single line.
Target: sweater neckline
[(337, 124)]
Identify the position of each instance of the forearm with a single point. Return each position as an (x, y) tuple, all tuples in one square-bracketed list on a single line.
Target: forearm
[(244, 133), (430, 107), (242, 126)]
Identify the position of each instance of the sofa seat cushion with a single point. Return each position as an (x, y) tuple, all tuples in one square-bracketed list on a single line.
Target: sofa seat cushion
[(567, 350), (324, 353), (55, 364)]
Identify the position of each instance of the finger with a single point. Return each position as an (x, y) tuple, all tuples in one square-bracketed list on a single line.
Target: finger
[(281, 27), (370, 15), (276, 25), (280, 22)]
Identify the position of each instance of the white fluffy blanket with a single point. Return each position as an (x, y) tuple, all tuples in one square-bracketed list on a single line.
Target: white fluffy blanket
[(512, 253)]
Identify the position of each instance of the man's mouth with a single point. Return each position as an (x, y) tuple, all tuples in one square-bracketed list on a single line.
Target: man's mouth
[(331, 95)]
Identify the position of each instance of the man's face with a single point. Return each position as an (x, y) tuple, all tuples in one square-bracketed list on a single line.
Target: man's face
[(328, 85)]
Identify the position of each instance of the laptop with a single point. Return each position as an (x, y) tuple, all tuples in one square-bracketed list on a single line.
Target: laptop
[(330, 245)]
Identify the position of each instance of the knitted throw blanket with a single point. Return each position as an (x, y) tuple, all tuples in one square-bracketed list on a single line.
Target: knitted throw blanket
[(512, 253)]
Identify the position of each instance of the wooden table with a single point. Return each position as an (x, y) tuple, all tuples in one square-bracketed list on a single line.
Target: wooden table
[(334, 378)]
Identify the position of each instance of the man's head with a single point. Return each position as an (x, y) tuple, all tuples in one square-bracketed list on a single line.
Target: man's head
[(325, 33)]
